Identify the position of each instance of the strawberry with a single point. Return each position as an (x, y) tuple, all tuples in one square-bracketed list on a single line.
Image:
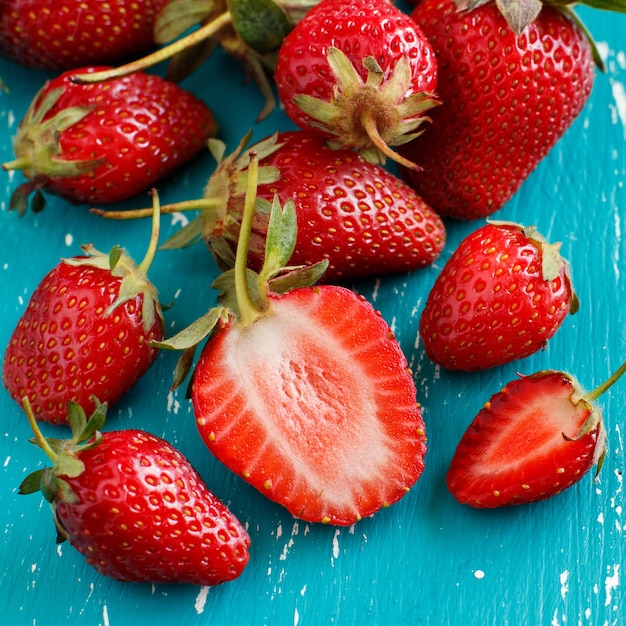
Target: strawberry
[(538, 436), (509, 92), (357, 215), (85, 332), (134, 506), (64, 34), (358, 73), (303, 390), (104, 143), (501, 296)]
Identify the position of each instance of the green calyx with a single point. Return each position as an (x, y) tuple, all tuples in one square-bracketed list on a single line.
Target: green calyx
[(38, 150), (371, 115), (64, 453), (221, 206), (134, 277), (243, 293)]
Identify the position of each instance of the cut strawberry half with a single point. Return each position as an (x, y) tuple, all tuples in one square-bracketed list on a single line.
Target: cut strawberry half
[(313, 405), (535, 438), (302, 390)]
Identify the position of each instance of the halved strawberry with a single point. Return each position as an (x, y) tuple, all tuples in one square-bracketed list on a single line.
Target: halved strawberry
[(535, 438), (303, 391)]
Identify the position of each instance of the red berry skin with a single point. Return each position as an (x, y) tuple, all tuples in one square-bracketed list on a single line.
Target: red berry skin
[(143, 514), (506, 101), (491, 303), (65, 34), (532, 440), (361, 218), (66, 347), (136, 130)]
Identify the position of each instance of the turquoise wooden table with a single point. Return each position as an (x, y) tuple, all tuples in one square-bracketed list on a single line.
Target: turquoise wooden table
[(426, 560)]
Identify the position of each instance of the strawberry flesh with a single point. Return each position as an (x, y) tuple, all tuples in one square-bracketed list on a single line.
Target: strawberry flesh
[(532, 440), (313, 405)]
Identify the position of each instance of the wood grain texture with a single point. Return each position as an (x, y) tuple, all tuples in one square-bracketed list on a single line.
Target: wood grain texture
[(424, 561)]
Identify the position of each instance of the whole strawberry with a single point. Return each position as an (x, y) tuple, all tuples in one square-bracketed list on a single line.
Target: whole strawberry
[(501, 296), (106, 142), (358, 216), (303, 390), (358, 73), (538, 436), (510, 90), (134, 506), (86, 332), (64, 34)]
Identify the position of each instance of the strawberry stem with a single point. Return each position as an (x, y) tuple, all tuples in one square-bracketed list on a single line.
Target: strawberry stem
[(598, 391), (175, 207), (41, 440), (167, 52), (247, 310), (154, 236)]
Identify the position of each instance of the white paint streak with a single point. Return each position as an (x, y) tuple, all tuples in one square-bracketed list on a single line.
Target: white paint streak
[(69, 239), (105, 615), (296, 617), (6, 461), (601, 518), (173, 405), (621, 59), (564, 586), (179, 218), (303, 591), (336, 544), (619, 95), (201, 598), (611, 582)]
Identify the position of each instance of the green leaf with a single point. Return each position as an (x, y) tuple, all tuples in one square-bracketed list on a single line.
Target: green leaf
[(77, 419), (281, 238), (69, 465), (37, 202), (225, 283), (193, 334), (261, 24), (618, 6), (32, 483), (303, 276), (183, 366)]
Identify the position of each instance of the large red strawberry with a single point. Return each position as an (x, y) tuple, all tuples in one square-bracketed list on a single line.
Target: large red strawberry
[(64, 34), (303, 391), (86, 332), (358, 73), (501, 296), (357, 215), (134, 506), (106, 142), (509, 92), (538, 436)]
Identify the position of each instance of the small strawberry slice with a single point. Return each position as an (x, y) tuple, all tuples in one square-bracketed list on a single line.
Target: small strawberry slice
[(533, 439), (134, 507), (303, 390)]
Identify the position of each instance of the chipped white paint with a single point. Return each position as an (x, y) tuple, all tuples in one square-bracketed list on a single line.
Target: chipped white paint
[(179, 218), (105, 616), (611, 583), (336, 544), (479, 574), (619, 95), (69, 239), (201, 599), (563, 578)]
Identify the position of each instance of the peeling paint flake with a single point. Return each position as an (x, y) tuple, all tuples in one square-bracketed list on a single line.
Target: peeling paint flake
[(611, 582), (201, 599), (564, 586)]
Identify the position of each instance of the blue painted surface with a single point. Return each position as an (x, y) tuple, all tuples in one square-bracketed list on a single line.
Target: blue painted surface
[(426, 560)]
